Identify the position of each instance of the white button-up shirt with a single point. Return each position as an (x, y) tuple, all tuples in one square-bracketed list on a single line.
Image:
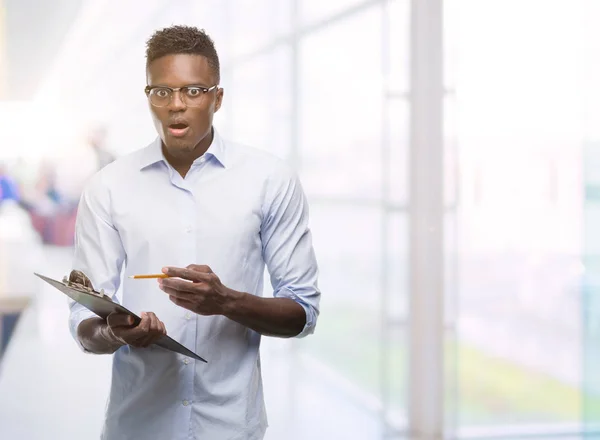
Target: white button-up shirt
[(237, 210)]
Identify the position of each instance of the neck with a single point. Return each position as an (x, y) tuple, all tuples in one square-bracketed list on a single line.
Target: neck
[(182, 164)]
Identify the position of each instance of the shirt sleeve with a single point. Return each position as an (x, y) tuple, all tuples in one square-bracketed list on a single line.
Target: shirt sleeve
[(287, 244), (99, 252)]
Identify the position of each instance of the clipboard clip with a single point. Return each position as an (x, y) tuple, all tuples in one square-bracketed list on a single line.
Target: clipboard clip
[(79, 281)]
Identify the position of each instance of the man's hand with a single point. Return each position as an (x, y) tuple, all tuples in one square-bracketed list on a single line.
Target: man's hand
[(147, 332), (199, 290)]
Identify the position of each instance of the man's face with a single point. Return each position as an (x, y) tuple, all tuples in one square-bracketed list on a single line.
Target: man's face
[(180, 126)]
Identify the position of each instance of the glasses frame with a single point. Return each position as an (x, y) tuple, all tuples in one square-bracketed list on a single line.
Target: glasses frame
[(172, 90)]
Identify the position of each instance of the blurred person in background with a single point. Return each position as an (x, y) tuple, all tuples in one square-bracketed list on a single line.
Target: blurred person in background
[(71, 171), (43, 201), (229, 210), (97, 140), (52, 193), (8, 186), (53, 198), (19, 242)]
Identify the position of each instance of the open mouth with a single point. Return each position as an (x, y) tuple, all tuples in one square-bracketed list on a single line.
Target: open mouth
[(178, 129), (179, 126)]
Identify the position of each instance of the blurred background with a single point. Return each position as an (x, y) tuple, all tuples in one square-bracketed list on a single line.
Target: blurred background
[(450, 151)]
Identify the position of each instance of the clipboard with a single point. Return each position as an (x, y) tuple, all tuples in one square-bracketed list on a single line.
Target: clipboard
[(103, 306)]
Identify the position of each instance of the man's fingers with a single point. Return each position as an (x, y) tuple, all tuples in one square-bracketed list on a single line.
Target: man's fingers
[(186, 286), (144, 325), (154, 323), (146, 340), (148, 331), (155, 330), (187, 295), (173, 292), (119, 320), (182, 303), (200, 268), (179, 272), (191, 274)]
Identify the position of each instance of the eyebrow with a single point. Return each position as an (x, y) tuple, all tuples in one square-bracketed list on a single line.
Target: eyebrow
[(187, 85)]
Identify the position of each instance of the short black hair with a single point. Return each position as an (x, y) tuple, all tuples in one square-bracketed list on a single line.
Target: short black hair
[(183, 39)]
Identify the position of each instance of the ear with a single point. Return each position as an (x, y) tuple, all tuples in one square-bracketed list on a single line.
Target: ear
[(219, 99)]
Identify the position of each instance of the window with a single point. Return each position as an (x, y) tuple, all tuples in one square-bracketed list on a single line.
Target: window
[(316, 10), (519, 227), (353, 164), (340, 108), (259, 101), (254, 24)]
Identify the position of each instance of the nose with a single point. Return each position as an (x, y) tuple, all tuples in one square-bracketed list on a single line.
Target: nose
[(177, 102)]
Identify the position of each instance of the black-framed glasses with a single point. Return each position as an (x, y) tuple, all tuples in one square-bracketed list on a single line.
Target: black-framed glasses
[(193, 96)]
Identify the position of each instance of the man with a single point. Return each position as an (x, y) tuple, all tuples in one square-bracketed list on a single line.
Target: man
[(192, 197)]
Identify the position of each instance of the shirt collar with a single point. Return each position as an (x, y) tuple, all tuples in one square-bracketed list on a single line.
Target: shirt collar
[(153, 152)]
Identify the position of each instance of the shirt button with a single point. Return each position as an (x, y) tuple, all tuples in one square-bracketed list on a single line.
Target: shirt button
[(188, 229), (186, 361), (188, 316), (185, 403), (202, 159)]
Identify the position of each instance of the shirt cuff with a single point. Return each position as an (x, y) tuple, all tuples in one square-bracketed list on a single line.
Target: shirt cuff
[(311, 315)]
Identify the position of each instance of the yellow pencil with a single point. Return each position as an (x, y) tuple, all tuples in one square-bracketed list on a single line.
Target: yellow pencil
[(157, 275)]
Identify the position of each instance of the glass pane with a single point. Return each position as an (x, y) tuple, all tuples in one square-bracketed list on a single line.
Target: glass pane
[(212, 16), (451, 150), (398, 19), (591, 320), (519, 222), (451, 268), (256, 23), (451, 341), (396, 276), (518, 269), (316, 10), (451, 33), (341, 107), (259, 112), (348, 243), (395, 381), (362, 343), (591, 73), (591, 242), (395, 310), (398, 150)]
